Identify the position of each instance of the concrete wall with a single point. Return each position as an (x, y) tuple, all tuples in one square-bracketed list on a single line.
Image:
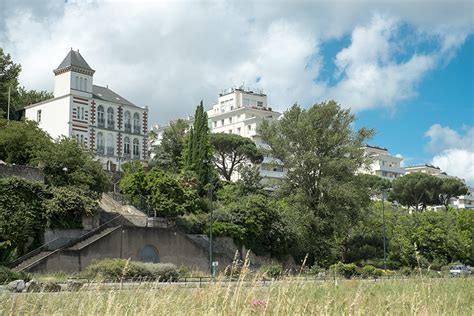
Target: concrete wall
[(25, 172), (127, 242)]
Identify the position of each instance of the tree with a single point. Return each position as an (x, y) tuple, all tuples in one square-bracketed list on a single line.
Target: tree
[(450, 187), (70, 164), (322, 154), (417, 190), (9, 72), (198, 153), (374, 184), (169, 154), (250, 179), (21, 143), (27, 97), (232, 151), (66, 207), (22, 218)]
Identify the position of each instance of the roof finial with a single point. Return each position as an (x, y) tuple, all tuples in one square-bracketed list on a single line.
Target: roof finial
[(78, 50), (71, 47)]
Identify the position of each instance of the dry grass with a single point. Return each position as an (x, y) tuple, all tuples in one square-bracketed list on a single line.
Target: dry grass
[(286, 297)]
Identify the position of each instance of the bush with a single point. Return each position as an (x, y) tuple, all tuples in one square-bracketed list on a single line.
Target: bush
[(7, 275), (116, 269), (347, 270), (273, 270), (314, 270), (369, 271), (405, 271)]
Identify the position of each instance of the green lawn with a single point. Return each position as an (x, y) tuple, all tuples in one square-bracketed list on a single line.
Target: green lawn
[(451, 296)]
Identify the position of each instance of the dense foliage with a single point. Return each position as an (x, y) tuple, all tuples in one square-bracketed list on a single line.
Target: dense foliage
[(232, 151), (169, 153), (118, 269)]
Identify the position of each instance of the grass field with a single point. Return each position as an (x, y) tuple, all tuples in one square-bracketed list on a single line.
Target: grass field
[(453, 296)]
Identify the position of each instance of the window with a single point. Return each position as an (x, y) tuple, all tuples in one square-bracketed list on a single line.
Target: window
[(222, 122), (128, 125), (100, 116), (136, 123), (136, 153), (38, 116), (85, 84), (249, 128), (80, 83), (100, 143), (230, 120), (214, 123), (238, 130), (126, 146), (82, 139), (76, 83), (259, 104), (110, 117), (82, 113), (230, 131), (110, 144)]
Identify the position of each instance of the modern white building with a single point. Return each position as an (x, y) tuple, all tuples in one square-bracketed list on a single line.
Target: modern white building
[(159, 130), (241, 111), (382, 163), (112, 127)]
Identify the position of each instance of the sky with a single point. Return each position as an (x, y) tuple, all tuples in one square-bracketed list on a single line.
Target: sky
[(405, 68)]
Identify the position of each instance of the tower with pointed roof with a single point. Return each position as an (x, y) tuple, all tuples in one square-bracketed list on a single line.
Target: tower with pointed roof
[(73, 76), (106, 123)]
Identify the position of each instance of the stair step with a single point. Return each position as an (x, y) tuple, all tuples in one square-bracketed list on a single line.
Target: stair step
[(93, 238), (31, 260)]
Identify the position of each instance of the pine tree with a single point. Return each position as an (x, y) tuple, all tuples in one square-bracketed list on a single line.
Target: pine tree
[(198, 154)]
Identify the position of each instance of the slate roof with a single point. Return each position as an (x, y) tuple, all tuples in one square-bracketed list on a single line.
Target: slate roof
[(74, 58), (104, 93)]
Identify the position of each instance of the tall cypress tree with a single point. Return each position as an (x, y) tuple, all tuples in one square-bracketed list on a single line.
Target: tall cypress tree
[(199, 151)]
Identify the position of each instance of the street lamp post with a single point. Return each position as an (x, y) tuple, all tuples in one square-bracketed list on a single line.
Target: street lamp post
[(384, 231), (210, 230)]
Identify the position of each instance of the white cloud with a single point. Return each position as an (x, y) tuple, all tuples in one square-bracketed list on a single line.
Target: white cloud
[(456, 162), (454, 151), (170, 55)]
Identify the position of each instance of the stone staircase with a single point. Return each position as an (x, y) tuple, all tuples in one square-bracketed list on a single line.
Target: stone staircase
[(33, 260), (84, 243), (131, 216)]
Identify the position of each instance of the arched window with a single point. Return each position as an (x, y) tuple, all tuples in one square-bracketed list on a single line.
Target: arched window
[(110, 117), (100, 116), (126, 146), (128, 124), (110, 145), (100, 143), (136, 153), (136, 123)]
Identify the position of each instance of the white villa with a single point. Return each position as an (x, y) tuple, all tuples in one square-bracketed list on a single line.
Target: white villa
[(107, 123), (383, 164), (241, 111)]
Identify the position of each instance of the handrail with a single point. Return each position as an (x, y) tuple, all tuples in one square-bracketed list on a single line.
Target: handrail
[(30, 254), (88, 234)]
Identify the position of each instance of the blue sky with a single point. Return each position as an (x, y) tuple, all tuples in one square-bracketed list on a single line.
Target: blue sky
[(445, 96), (403, 66)]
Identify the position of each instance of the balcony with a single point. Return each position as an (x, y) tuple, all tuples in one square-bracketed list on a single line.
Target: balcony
[(110, 124), (101, 123), (100, 150), (128, 127), (136, 129)]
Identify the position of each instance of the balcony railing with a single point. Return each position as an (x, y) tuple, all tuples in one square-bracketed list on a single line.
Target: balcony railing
[(136, 129), (100, 150), (128, 127), (101, 124), (110, 124)]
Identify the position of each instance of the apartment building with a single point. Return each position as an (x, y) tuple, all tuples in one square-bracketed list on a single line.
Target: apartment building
[(241, 111)]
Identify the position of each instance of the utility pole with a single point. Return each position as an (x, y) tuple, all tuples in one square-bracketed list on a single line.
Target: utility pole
[(210, 231), (384, 232), (8, 106)]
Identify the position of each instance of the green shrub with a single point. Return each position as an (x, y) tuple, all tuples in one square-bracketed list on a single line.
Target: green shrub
[(405, 271), (116, 269), (314, 270), (7, 275), (347, 270), (164, 272), (273, 270)]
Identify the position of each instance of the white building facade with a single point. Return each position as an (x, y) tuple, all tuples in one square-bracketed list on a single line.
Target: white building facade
[(382, 163), (109, 125), (241, 111)]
